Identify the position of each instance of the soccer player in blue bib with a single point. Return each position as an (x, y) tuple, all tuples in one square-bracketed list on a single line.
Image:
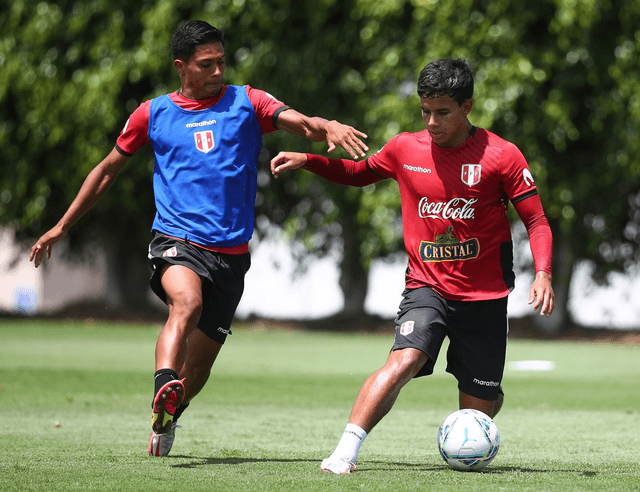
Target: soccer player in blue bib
[(206, 138)]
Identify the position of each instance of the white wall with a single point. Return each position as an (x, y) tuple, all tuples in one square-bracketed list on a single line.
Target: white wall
[(272, 291), (50, 287)]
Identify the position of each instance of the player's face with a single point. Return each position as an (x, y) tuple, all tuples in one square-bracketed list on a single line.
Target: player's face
[(201, 75), (446, 120)]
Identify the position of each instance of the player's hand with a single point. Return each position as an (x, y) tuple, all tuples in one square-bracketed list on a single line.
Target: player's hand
[(347, 137), (44, 244), (286, 161), (541, 294)]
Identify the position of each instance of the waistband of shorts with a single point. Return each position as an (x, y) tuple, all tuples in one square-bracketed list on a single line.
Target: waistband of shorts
[(240, 249)]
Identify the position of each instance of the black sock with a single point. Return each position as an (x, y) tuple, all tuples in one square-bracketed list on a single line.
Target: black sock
[(162, 377), (179, 411)]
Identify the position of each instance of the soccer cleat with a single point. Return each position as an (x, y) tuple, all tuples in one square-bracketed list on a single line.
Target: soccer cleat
[(164, 406), (160, 444), (338, 466)]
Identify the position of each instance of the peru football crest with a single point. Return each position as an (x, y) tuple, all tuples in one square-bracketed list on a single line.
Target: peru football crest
[(406, 328), (204, 140), (471, 174)]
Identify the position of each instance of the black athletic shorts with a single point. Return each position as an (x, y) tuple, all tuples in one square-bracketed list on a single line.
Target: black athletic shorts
[(222, 280), (477, 332)]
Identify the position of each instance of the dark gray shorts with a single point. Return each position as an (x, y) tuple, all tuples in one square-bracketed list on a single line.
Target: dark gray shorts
[(222, 278), (477, 332)]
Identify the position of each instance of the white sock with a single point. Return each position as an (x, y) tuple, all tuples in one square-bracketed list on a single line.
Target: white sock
[(350, 443)]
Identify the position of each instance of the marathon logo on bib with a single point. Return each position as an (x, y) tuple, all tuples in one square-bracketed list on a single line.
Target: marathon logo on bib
[(204, 141), (471, 174)]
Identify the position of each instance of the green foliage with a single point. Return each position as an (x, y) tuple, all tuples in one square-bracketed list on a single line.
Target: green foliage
[(557, 77)]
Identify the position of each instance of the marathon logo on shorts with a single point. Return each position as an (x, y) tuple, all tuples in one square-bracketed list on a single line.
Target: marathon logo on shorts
[(204, 141), (486, 383), (170, 253), (406, 328)]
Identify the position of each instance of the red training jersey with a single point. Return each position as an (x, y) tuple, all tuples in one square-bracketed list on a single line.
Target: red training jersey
[(454, 210)]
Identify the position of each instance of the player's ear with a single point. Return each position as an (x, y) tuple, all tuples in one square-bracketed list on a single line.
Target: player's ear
[(466, 106), (179, 64)]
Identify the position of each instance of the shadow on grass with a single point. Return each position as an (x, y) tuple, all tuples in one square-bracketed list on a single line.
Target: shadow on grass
[(198, 462), (373, 466), (518, 469), (392, 466)]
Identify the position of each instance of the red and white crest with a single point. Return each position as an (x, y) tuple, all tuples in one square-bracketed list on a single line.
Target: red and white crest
[(170, 253), (204, 141), (406, 328), (471, 174)]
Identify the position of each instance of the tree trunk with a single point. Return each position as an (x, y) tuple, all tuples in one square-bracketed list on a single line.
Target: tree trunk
[(127, 272), (354, 277)]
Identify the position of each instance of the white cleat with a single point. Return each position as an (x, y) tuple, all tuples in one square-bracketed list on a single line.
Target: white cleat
[(338, 466), (160, 444)]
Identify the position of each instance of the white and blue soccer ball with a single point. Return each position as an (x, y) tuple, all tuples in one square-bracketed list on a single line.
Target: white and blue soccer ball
[(468, 440)]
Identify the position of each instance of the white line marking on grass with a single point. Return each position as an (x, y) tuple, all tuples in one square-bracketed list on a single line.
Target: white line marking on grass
[(531, 365)]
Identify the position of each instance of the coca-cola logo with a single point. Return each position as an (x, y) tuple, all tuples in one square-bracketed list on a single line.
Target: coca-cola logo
[(456, 208)]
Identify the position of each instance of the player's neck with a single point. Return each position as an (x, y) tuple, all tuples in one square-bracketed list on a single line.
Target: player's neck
[(192, 97)]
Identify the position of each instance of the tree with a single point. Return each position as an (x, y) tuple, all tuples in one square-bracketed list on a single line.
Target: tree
[(556, 77), (71, 72)]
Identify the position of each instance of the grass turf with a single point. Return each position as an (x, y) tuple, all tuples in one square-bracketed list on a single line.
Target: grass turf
[(76, 398)]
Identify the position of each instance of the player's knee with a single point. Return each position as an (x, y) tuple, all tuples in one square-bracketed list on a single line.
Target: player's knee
[(404, 364), (186, 305), (497, 404)]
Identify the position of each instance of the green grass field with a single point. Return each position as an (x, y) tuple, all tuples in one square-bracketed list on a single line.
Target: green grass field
[(75, 415)]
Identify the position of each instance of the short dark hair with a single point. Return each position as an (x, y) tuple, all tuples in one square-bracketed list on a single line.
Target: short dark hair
[(191, 34), (447, 77)]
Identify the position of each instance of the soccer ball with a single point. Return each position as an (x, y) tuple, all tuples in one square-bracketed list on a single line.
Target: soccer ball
[(468, 440)]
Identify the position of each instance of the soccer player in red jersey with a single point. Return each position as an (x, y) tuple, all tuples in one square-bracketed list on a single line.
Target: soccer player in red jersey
[(206, 138), (455, 183)]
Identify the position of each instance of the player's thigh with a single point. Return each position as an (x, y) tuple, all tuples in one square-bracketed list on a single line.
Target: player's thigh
[(421, 324), (222, 294), (477, 349), (183, 288)]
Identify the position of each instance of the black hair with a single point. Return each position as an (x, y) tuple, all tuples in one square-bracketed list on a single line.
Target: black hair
[(447, 77), (191, 34)]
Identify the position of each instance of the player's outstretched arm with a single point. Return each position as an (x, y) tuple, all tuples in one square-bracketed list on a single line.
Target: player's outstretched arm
[(341, 171), (286, 161), (96, 184), (318, 129)]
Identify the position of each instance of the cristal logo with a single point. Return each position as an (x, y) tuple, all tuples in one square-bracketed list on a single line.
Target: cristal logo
[(456, 208)]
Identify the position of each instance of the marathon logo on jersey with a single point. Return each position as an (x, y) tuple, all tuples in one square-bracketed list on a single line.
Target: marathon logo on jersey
[(406, 328), (471, 174), (447, 247), (204, 141)]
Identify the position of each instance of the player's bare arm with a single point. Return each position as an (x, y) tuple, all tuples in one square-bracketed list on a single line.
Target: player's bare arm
[(95, 185), (318, 129), (286, 161)]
